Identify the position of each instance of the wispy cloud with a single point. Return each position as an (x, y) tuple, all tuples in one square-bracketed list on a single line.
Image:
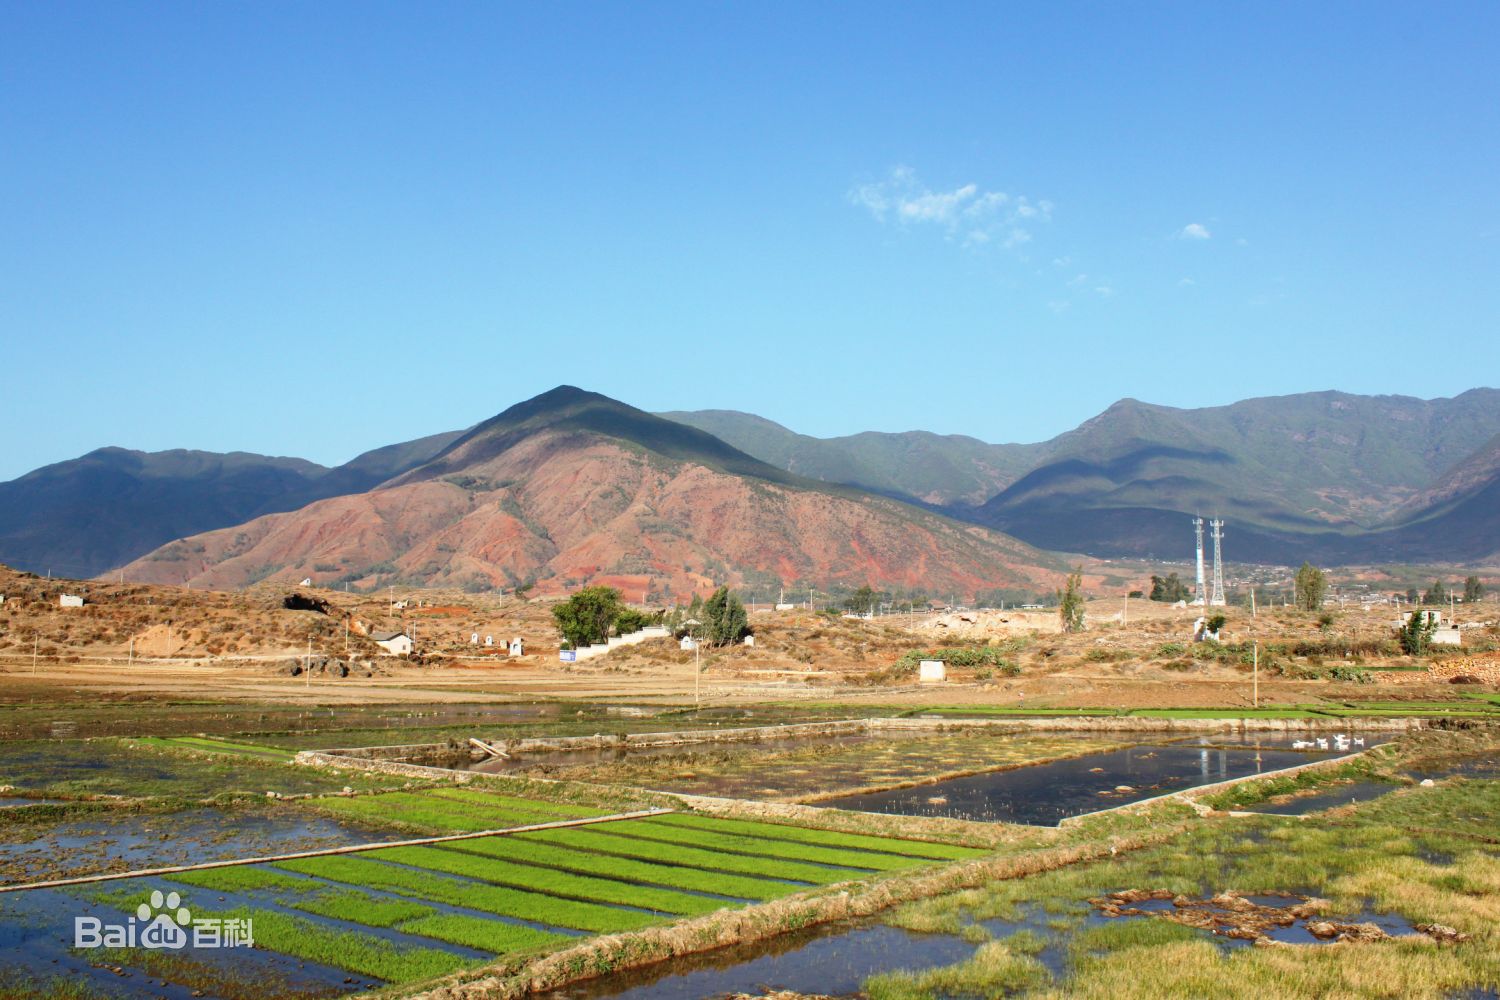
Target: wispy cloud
[(1194, 231), (966, 213)]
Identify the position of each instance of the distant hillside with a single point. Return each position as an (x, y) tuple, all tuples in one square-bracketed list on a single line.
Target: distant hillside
[(571, 488), (1318, 472), (1295, 476), (934, 468), (91, 514)]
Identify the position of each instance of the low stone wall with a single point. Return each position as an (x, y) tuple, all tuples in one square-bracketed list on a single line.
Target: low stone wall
[(1483, 667)]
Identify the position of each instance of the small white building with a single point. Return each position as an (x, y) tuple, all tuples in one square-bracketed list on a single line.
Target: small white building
[(932, 672), (70, 601), (688, 642), (749, 640), (489, 640), (394, 643), (1447, 636), (517, 647)]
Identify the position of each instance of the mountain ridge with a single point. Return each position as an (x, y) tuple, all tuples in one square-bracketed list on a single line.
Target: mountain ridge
[(573, 488)]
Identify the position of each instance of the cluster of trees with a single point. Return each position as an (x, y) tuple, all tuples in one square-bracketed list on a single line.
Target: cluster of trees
[(1170, 589), (722, 620), (591, 614), (1438, 593)]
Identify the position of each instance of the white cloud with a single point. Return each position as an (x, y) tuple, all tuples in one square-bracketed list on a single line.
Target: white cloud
[(1186, 282), (966, 213), (1194, 231), (1104, 291)]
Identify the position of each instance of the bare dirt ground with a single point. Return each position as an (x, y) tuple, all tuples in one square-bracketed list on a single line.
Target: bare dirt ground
[(136, 641)]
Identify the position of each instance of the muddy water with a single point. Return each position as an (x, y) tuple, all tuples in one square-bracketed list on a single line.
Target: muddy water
[(125, 841), (548, 761), (1045, 794), (833, 960)]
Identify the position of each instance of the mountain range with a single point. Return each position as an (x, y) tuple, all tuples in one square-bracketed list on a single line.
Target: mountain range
[(572, 487), (1328, 476)]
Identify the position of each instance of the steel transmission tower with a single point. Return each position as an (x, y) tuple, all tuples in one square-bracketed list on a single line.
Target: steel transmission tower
[(1217, 599), (1200, 593)]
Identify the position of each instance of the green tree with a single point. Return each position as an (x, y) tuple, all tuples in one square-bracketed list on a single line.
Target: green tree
[(1070, 602), (1169, 589), (588, 615), (1436, 594), (1416, 635), (1411, 595), (1473, 590), (724, 619), (1311, 587), (862, 599)]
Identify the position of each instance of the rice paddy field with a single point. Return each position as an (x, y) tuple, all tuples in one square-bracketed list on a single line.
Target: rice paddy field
[(614, 881)]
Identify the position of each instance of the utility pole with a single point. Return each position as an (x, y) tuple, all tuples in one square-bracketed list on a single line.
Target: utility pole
[(36, 641), (307, 663), (1125, 610), (1252, 602), (1255, 674)]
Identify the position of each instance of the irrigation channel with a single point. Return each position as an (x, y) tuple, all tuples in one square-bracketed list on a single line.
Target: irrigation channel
[(342, 922)]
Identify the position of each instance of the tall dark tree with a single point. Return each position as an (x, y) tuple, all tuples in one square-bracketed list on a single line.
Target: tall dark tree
[(1436, 594), (1070, 602), (1311, 587), (1416, 635), (1473, 590), (724, 618)]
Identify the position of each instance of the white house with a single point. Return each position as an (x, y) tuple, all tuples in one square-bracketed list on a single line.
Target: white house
[(394, 643), (517, 647), (70, 601)]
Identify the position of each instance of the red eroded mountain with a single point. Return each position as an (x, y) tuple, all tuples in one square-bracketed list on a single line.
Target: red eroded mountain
[(573, 488)]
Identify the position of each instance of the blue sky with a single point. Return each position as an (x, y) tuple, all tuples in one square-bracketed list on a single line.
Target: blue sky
[(313, 229)]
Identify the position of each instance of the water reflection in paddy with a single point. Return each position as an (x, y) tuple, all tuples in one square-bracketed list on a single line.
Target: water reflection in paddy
[(1045, 794)]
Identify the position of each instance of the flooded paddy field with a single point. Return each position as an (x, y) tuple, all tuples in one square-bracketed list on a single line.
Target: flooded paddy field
[(617, 872), (117, 840), (1391, 898), (1047, 793), (807, 768)]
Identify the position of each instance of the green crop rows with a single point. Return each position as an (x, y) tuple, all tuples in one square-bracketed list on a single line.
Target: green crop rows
[(360, 907), (494, 899), (442, 814), (589, 838), (548, 880), (351, 950), (478, 797), (760, 846), (239, 878), (775, 834), (556, 855)]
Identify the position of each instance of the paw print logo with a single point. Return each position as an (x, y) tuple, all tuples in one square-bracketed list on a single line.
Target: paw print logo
[(164, 917)]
